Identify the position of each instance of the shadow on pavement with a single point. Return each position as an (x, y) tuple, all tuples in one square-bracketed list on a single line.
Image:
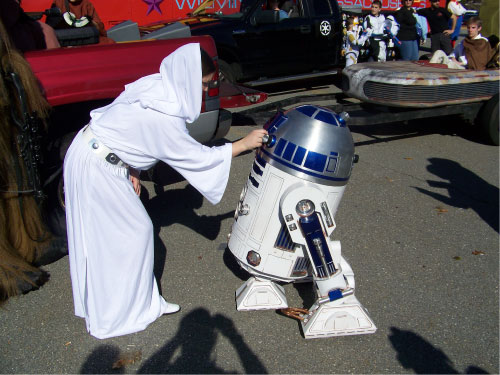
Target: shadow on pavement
[(101, 361), (178, 206), (191, 350), (465, 190), (416, 353)]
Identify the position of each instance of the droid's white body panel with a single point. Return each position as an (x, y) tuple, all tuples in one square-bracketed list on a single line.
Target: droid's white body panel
[(263, 228), (284, 222)]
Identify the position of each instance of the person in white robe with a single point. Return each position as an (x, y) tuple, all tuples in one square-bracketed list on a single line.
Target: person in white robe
[(110, 235)]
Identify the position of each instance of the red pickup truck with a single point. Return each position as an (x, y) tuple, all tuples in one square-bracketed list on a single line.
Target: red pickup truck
[(99, 72)]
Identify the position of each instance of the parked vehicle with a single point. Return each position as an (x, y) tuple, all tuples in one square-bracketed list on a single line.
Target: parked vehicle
[(256, 47)]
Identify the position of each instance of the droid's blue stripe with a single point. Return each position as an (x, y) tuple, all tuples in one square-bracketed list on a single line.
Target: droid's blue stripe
[(257, 169), (284, 241), (261, 161), (289, 150), (300, 169), (253, 181)]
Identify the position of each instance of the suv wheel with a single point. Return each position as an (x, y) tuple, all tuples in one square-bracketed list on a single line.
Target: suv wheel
[(226, 73)]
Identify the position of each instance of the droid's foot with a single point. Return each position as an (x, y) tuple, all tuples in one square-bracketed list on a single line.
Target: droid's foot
[(260, 294), (342, 317)]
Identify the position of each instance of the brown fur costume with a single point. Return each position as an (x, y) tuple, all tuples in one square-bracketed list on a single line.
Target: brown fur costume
[(23, 236)]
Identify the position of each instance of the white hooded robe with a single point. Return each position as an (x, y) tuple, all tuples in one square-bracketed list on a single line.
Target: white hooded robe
[(110, 235)]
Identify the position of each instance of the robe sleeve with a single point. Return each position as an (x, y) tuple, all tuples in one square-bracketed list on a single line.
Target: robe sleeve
[(206, 168)]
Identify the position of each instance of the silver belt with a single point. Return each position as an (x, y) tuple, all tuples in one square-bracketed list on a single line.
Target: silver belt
[(100, 149)]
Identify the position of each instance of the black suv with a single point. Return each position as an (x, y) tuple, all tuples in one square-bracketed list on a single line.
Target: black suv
[(257, 47)]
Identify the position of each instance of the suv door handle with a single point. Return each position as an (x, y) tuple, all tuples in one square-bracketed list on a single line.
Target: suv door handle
[(305, 29)]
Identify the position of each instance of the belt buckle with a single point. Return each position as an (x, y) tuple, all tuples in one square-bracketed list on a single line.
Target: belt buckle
[(112, 158)]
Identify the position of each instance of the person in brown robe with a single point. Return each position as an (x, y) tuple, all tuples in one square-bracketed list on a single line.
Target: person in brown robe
[(475, 51)]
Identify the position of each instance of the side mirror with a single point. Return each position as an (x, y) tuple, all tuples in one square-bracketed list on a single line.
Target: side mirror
[(267, 16)]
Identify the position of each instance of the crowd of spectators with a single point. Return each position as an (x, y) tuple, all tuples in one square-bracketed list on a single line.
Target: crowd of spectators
[(399, 36)]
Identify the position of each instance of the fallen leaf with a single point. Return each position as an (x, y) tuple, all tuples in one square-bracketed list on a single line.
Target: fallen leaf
[(441, 210), (200, 257), (476, 252), (408, 158), (457, 258), (127, 359), (68, 343), (389, 179)]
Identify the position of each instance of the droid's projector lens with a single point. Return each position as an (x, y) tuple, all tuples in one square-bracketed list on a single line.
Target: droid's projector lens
[(253, 258), (305, 208)]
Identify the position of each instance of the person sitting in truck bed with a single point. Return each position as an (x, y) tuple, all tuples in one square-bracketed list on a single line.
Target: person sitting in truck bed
[(80, 9), (473, 52)]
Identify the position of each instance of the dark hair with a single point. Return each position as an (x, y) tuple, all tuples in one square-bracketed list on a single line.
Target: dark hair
[(474, 21), (207, 64), (377, 2), (349, 21)]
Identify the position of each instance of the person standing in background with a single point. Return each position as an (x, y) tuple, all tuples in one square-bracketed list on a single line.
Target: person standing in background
[(440, 31), (456, 8), (407, 31)]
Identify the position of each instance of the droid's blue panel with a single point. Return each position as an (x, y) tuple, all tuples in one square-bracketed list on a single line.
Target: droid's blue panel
[(280, 147), (302, 170), (315, 161), (275, 122), (299, 156), (332, 165), (326, 117), (307, 110), (290, 148)]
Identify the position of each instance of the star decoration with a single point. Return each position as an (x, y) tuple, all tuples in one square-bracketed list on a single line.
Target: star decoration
[(153, 4)]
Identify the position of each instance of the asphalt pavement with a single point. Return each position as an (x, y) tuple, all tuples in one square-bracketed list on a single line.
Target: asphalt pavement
[(418, 223)]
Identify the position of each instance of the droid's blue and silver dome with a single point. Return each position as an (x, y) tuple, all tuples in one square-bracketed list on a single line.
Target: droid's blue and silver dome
[(312, 143)]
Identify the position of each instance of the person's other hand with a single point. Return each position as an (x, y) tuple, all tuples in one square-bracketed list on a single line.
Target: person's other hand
[(448, 32), (136, 181)]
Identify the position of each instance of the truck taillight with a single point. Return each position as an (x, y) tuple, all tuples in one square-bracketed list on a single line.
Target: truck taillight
[(213, 86)]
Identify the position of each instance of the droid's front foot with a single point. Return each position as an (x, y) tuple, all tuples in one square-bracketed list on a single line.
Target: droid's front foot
[(260, 294), (340, 317)]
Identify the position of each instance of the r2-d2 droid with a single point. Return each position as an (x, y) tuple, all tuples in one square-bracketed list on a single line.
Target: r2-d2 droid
[(284, 222)]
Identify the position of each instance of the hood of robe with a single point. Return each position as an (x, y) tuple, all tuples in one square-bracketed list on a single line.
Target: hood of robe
[(177, 89)]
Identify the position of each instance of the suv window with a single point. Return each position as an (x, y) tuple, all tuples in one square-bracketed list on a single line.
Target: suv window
[(321, 7)]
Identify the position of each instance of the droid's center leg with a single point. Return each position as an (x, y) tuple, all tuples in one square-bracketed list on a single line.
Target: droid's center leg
[(260, 294)]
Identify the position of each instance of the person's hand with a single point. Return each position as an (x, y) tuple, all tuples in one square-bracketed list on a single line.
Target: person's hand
[(136, 181), (249, 142), (448, 32)]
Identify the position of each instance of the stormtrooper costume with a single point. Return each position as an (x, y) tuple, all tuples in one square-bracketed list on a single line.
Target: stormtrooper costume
[(110, 235), (374, 26)]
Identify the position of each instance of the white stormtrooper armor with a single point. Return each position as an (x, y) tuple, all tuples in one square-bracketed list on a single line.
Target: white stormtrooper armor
[(285, 219)]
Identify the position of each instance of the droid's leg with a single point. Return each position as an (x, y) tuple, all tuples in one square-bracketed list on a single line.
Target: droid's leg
[(337, 312), (260, 294)]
